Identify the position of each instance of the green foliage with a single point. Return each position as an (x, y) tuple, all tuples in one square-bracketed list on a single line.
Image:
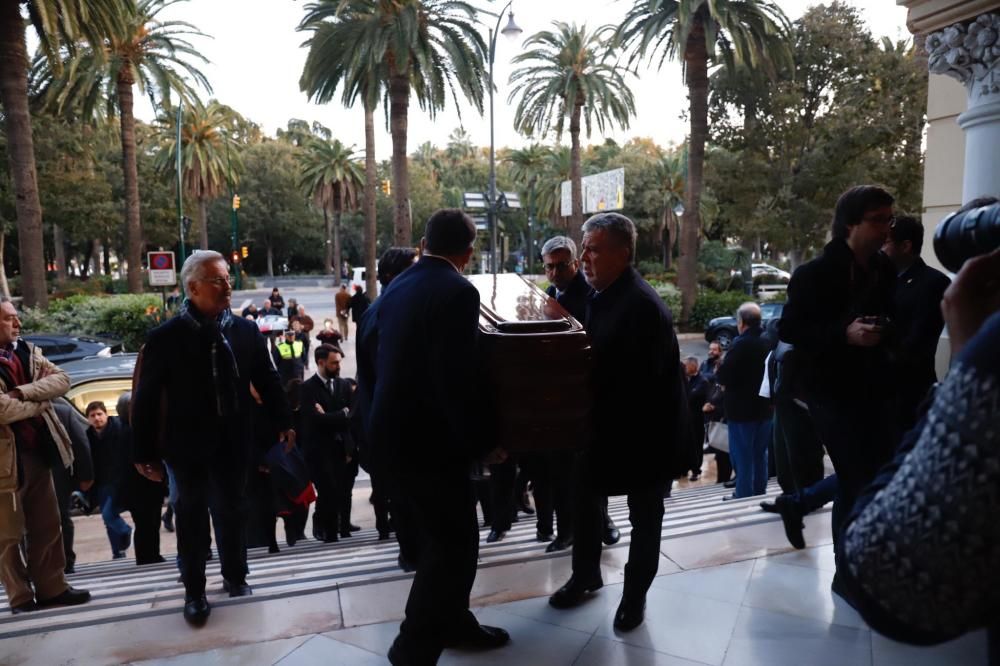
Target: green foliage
[(670, 295), (126, 317), (710, 305)]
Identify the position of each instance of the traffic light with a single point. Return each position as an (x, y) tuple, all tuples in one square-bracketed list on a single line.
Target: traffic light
[(236, 202), (236, 257), (386, 187), (245, 251)]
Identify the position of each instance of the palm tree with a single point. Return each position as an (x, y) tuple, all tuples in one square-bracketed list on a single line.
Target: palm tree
[(671, 172), (329, 68), (331, 177), (570, 75), (527, 165), (431, 48), (147, 51), (728, 32), (209, 156), (56, 22)]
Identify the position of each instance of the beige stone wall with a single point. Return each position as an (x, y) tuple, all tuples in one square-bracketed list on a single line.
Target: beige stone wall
[(944, 160)]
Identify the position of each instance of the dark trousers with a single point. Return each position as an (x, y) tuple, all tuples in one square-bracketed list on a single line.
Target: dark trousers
[(723, 465), (328, 478), (817, 495), (381, 503), (502, 478), (215, 486), (348, 473), (748, 448), (64, 489), (798, 453), (552, 481), (146, 516), (437, 609), (860, 437), (645, 512)]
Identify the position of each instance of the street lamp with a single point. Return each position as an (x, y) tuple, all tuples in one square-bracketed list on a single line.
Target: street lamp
[(511, 30)]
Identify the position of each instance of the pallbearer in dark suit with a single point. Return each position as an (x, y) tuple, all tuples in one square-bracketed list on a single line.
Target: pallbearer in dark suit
[(919, 290), (639, 434), (423, 429)]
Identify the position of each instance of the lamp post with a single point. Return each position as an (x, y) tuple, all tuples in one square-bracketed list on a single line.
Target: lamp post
[(235, 230), (180, 184), (511, 30)]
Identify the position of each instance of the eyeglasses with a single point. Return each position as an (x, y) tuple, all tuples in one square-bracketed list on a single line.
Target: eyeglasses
[(880, 219), (218, 281), (552, 268)]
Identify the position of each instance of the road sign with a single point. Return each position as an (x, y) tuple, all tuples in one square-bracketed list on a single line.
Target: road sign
[(601, 192), (162, 269)]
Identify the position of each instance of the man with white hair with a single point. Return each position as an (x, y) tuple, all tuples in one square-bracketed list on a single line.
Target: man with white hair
[(189, 407), (748, 414)]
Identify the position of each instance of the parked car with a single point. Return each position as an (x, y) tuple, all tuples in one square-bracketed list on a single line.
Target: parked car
[(61, 347), (103, 378), (724, 329), (272, 324), (757, 270)]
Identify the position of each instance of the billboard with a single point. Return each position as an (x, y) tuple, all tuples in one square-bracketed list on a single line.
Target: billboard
[(601, 191)]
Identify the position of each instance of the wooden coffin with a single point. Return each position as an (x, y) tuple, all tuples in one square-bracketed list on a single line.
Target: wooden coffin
[(537, 362)]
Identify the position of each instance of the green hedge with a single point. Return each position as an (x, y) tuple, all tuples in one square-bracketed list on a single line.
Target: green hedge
[(710, 304), (125, 317)]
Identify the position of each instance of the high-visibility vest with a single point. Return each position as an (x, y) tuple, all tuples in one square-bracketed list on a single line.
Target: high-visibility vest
[(288, 351)]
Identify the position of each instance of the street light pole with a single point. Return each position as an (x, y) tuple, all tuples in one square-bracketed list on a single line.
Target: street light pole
[(235, 231), (510, 30)]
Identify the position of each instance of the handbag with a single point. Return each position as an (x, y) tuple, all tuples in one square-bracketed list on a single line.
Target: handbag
[(718, 436)]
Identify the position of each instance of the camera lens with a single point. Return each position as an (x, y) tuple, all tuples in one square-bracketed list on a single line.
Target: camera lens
[(961, 236)]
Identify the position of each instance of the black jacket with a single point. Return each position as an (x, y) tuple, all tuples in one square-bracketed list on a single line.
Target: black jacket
[(824, 297), (175, 408), (574, 299), (327, 433), (741, 374), (359, 303), (110, 451), (641, 420), (919, 291)]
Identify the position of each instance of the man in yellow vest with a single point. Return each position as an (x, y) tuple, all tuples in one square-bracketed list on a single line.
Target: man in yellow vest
[(288, 357)]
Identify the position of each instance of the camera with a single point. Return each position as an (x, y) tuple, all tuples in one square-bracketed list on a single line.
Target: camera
[(967, 234)]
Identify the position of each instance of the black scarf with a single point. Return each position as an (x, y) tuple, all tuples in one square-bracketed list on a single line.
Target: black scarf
[(223, 382)]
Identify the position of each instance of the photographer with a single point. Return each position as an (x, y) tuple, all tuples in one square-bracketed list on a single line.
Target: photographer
[(921, 545)]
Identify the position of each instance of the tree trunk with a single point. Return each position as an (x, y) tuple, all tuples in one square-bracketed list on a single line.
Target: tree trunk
[(337, 254), (270, 258), (696, 65), (794, 259), (95, 253), (59, 244), (107, 257), (133, 225), (575, 175), (203, 222), (21, 153), (4, 287), (665, 239), (399, 100), (327, 244), (371, 178)]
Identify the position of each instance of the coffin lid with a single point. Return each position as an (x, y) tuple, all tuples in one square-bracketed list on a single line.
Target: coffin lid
[(509, 303)]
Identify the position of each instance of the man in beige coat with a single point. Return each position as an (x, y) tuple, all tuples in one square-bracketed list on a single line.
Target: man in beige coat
[(28, 505)]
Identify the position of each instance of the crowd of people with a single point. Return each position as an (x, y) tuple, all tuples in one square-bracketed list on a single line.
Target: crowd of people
[(847, 371)]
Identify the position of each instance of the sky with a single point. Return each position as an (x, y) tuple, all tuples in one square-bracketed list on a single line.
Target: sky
[(256, 58)]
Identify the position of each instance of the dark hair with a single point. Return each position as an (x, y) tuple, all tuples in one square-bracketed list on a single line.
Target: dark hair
[(449, 232), (394, 261), (293, 393), (617, 226), (853, 204), (978, 202), (324, 351), (908, 228), (95, 406), (274, 290)]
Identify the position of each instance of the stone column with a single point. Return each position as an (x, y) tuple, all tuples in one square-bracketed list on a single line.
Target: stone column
[(969, 51)]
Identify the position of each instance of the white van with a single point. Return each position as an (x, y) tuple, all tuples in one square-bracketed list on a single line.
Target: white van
[(359, 277)]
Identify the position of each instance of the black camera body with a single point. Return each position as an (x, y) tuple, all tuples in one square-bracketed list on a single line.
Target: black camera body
[(967, 234)]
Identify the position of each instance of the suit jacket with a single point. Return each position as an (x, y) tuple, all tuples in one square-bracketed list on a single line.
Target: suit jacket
[(741, 373), (176, 369), (919, 291), (418, 362), (641, 420), (574, 299), (327, 433)]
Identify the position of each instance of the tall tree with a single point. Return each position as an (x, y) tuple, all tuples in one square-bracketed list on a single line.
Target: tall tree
[(702, 32), (430, 48), (570, 73), (210, 159), (56, 23), (331, 177), (147, 51)]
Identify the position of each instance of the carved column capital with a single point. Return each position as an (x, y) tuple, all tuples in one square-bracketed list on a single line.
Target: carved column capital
[(968, 51)]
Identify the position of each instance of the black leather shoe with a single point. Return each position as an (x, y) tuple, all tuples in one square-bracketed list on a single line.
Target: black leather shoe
[(630, 614), (237, 589), (345, 534), (273, 549), (495, 536), (769, 507), (791, 517), (559, 544), (480, 637), (196, 611), (168, 520), (383, 536), (353, 528), (26, 607), (729, 484), (406, 565), (574, 592), (544, 537), (611, 535), (70, 597)]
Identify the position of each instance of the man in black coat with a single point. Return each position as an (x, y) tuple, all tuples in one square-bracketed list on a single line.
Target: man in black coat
[(326, 420), (919, 290), (423, 429), (697, 395), (639, 421), (191, 409), (748, 414), (839, 316)]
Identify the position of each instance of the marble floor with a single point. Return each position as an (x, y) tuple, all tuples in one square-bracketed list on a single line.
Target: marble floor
[(730, 591)]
